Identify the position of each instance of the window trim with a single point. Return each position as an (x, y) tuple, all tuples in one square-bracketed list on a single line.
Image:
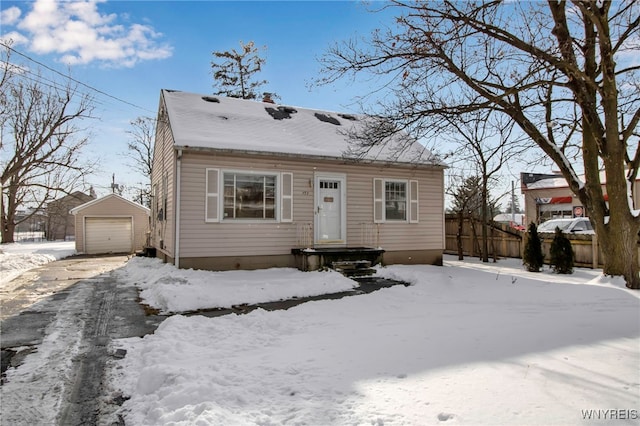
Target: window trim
[(280, 198), (406, 201), (257, 173), (379, 200)]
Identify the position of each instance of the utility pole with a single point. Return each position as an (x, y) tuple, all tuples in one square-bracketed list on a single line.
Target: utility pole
[(513, 202), (116, 188)]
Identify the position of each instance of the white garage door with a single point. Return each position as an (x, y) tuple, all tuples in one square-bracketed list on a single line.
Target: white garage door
[(108, 235)]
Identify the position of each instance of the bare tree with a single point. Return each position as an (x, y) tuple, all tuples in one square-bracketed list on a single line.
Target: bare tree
[(485, 140), (5, 75), (565, 72), (140, 152), (472, 201), (466, 203), (41, 143), (234, 72)]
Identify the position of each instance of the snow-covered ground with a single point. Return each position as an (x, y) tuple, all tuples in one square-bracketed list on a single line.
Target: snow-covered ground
[(175, 290), (466, 343), (15, 258)]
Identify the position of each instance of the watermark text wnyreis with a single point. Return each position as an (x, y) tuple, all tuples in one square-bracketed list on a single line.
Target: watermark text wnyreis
[(611, 414)]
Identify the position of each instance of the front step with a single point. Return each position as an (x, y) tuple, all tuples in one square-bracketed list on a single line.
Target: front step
[(353, 268)]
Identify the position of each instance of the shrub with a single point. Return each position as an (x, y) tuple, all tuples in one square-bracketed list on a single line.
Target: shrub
[(532, 257), (561, 255)]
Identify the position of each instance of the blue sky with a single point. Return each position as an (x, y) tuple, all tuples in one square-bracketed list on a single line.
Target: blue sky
[(131, 50)]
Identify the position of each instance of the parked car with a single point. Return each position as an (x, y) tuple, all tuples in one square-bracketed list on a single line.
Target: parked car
[(578, 225)]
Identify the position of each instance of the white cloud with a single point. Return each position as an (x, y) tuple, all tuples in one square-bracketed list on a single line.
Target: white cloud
[(13, 38), (10, 16), (80, 34)]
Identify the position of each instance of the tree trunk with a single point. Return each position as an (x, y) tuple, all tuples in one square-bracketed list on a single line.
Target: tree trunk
[(620, 251), (475, 244), (484, 209), (8, 228), (459, 235), (8, 215), (494, 252), (619, 237)]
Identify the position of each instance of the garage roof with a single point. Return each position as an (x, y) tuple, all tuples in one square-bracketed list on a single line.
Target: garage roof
[(75, 210)]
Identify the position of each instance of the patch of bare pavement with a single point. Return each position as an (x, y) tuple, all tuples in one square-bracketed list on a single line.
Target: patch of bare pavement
[(78, 300)]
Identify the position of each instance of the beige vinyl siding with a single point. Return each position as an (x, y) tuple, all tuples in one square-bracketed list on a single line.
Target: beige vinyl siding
[(164, 162), (228, 237), (286, 197), (251, 238), (426, 234), (113, 207)]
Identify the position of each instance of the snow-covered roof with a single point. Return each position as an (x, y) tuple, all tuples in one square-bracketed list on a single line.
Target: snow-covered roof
[(75, 210), (561, 182), (221, 123)]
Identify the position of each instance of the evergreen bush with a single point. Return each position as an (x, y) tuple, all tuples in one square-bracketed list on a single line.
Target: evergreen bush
[(532, 258), (561, 255)]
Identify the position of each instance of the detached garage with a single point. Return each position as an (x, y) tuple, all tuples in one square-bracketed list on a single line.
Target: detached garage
[(110, 224)]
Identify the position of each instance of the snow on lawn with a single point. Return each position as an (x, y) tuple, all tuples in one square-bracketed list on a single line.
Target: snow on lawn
[(178, 290), (16, 258), (467, 343)]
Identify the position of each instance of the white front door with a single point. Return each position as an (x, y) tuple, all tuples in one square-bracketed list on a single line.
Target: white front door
[(330, 209)]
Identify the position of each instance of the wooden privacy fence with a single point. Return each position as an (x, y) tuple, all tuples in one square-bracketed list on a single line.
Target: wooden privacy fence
[(505, 241)]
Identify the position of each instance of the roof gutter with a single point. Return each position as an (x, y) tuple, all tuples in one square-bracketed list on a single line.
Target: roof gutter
[(311, 156), (177, 203)]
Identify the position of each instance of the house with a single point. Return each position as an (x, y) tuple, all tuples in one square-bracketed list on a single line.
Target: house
[(31, 225), (60, 221), (548, 196), (243, 184), (110, 224)]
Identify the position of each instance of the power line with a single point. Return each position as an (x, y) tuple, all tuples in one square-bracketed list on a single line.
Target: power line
[(74, 80), (36, 78)]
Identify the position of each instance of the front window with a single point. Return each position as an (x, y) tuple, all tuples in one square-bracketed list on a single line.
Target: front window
[(249, 196), (395, 198)]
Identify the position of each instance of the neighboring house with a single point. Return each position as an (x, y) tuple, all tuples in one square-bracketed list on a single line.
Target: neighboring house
[(30, 225), (111, 224), (240, 184), (60, 222), (547, 196)]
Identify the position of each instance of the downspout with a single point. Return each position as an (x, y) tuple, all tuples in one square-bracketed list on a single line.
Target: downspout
[(177, 203)]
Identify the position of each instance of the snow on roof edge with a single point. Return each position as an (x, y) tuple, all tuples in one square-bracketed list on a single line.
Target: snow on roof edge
[(321, 157), (76, 209), (561, 182)]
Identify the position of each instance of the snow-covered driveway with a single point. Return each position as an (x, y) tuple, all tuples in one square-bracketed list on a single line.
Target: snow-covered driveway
[(56, 327)]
